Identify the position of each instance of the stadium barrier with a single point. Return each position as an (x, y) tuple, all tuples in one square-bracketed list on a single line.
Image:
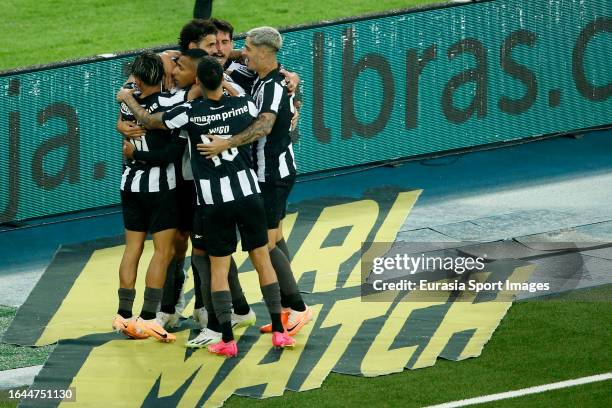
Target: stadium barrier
[(376, 88)]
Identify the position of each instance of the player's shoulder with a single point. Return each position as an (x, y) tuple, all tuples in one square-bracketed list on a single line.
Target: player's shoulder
[(198, 105), (274, 79)]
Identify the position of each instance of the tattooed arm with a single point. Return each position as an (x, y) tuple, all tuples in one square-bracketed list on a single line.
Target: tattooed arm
[(261, 127), (147, 120)]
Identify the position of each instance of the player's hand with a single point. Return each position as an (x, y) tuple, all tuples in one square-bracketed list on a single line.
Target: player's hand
[(167, 58), (292, 80), (128, 150), (236, 55), (229, 88), (130, 129), (123, 94), (214, 147)]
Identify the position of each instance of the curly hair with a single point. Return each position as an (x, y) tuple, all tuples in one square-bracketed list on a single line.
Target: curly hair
[(194, 31)]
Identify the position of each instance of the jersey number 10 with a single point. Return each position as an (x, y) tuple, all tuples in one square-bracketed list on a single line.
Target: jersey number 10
[(228, 155)]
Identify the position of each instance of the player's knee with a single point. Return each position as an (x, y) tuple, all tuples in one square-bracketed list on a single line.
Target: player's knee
[(127, 281), (127, 276), (165, 253), (260, 258), (133, 249), (272, 239), (170, 252)]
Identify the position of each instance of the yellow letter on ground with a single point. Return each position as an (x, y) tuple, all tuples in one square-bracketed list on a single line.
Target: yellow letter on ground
[(349, 314), (360, 216), (250, 372), (380, 360)]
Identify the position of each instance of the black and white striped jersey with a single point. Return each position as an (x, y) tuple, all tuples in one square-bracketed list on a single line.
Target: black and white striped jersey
[(273, 154), (153, 168), (229, 176), (241, 75), (183, 172), (234, 84)]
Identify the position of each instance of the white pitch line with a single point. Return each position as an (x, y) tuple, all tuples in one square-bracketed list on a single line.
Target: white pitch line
[(524, 391)]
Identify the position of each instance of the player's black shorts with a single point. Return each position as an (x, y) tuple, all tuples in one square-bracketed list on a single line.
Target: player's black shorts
[(197, 234), (186, 196), (149, 212), (275, 194), (220, 222)]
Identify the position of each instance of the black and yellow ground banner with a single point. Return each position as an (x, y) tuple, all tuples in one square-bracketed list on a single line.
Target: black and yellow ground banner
[(75, 300)]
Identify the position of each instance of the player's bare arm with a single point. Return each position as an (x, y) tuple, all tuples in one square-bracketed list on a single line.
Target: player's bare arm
[(261, 127), (145, 118)]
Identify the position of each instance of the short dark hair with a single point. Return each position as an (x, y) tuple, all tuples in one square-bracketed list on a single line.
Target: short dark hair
[(224, 26), (194, 31), (195, 53), (210, 73), (148, 67)]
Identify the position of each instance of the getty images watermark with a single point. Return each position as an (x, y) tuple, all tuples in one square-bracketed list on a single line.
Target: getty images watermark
[(474, 272)]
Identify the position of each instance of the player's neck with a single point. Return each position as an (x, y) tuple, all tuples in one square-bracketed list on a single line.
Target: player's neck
[(267, 67), (149, 90), (194, 92), (215, 95)]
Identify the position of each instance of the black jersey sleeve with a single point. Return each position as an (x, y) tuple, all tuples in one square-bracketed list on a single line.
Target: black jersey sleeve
[(171, 152)]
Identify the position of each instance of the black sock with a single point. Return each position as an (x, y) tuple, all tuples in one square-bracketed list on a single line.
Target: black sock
[(167, 299), (126, 302), (241, 306), (282, 245), (202, 263), (290, 295), (222, 302), (152, 297), (277, 324), (271, 295), (197, 286), (296, 302), (284, 300), (213, 323), (227, 334), (179, 279)]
